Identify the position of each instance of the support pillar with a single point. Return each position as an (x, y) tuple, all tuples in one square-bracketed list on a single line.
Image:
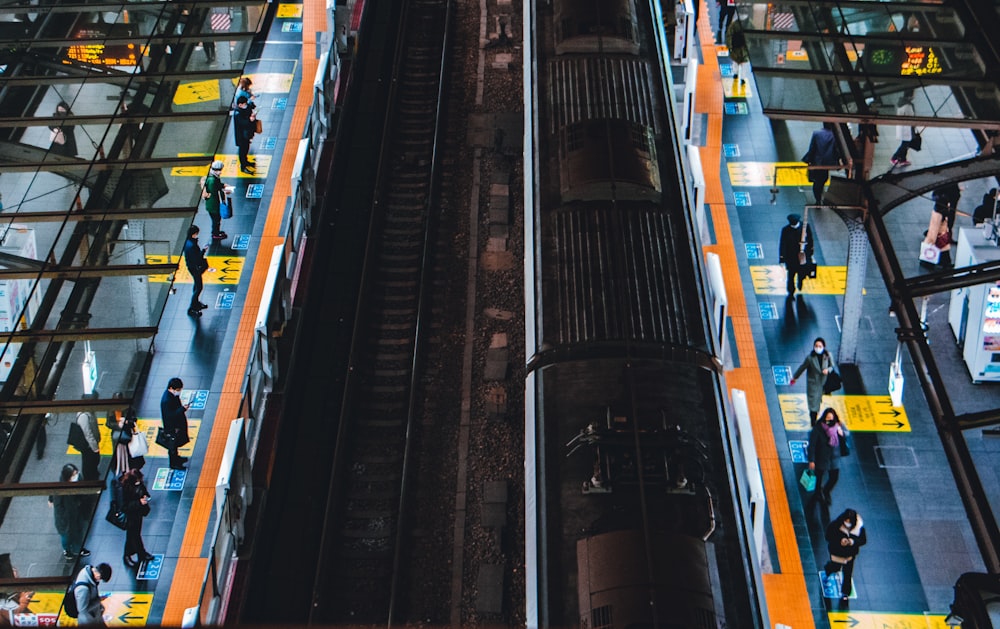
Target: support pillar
[(857, 260)]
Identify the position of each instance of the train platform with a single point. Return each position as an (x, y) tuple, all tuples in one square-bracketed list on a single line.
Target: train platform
[(897, 476), (209, 353)]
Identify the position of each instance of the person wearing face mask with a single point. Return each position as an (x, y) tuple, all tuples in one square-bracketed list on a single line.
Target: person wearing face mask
[(845, 535), (68, 510), (826, 447), (174, 415), (816, 365)]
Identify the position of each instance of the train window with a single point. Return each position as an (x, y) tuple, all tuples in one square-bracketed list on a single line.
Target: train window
[(626, 29), (600, 617), (574, 138), (640, 139)]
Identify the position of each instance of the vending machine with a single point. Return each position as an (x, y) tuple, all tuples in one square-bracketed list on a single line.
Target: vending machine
[(974, 311)]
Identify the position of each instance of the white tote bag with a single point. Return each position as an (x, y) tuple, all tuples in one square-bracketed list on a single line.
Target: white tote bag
[(929, 253), (138, 446)]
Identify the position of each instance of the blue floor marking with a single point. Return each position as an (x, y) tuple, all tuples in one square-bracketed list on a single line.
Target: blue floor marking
[(782, 375), (755, 250)]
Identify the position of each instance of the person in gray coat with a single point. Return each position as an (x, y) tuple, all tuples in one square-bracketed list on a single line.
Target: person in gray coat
[(68, 512), (816, 365), (826, 447), (89, 605)]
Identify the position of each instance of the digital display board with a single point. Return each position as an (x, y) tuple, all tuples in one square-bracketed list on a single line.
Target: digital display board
[(91, 50)]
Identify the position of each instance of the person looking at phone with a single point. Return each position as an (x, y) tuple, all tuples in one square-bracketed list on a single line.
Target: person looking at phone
[(194, 259), (135, 499), (175, 427)]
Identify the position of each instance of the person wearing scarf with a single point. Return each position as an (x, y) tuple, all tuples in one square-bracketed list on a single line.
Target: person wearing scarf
[(845, 535), (824, 452)]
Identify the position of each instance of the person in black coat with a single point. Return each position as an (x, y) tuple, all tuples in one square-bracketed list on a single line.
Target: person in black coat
[(826, 446), (135, 504), (194, 259), (64, 135), (68, 512), (244, 126), (174, 415), (845, 535), (823, 151), (789, 247)]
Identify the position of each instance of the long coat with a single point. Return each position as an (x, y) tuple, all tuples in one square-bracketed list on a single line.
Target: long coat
[(813, 365), (835, 533), (216, 193), (136, 512), (790, 243), (174, 417)]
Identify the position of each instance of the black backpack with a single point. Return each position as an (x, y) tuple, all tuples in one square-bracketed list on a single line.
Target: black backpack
[(69, 599), (76, 437)]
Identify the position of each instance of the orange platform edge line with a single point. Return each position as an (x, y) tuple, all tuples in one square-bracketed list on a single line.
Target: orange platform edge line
[(786, 593), (191, 565)]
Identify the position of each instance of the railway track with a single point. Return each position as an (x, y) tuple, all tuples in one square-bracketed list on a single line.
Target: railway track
[(362, 562)]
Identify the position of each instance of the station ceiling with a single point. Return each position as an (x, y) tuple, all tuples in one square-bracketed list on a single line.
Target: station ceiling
[(851, 60)]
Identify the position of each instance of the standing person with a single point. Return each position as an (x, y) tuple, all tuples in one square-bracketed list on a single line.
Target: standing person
[(826, 446), (243, 130), (214, 193), (174, 414), (790, 245), (845, 535), (727, 11), (736, 42), (90, 455), (123, 425), (243, 89), (63, 135), (135, 503), (816, 365), (823, 152), (89, 603), (194, 259), (904, 133), (68, 512), (939, 233)]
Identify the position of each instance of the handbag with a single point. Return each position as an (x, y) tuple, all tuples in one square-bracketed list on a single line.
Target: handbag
[(226, 208), (58, 137), (116, 516), (832, 383), (257, 126), (916, 140), (808, 480), (166, 440), (845, 448), (138, 446), (929, 253)]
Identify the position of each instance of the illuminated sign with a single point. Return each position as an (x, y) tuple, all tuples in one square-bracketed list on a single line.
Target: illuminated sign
[(919, 60), (906, 60), (91, 50)]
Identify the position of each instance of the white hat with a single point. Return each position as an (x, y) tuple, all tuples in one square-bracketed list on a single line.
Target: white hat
[(218, 165)]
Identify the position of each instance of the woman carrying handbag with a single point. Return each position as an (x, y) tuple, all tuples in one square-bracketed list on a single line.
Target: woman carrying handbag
[(123, 432)]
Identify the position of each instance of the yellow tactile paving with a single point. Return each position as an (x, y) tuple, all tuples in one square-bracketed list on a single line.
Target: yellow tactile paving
[(867, 620), (151, 427), (861, 413), (786, 594), (191, 565), (123, 609), (761, 174), (769, 279)]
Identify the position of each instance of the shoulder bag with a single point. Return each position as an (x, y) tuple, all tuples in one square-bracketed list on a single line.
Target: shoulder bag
[(833, 382), (138, 446), (916, 140), (929, 253)]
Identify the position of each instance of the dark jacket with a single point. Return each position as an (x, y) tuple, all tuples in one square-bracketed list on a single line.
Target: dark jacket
[(243, 126), (67, 511), (819, 450), (136, 511), (194, 258), (174, 416), (788, 246), (822, 151), (835, 533)]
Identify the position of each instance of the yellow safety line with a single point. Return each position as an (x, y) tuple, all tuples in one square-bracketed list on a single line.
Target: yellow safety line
[(785, 592), (190, 570)]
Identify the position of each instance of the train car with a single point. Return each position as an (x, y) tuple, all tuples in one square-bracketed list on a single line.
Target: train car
[(636, 511)]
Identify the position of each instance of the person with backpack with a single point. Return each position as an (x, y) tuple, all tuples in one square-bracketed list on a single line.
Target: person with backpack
[(84, 598), (85, 438)]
